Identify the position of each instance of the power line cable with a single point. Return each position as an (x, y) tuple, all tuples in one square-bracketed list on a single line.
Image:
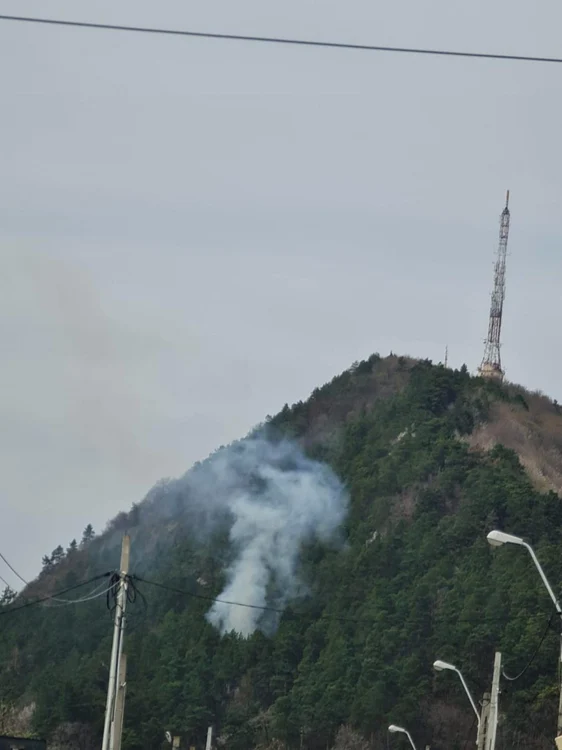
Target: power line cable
[(9, 610), (14, 571), (95, 593), (280, 40), (535, 652), (193, 595), (132, 590), (278, 610), (263, 608), (62, 602), (54, 598)]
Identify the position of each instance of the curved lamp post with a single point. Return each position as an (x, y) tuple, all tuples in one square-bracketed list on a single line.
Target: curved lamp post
[(497, 539), (442, 665), (394, 728)]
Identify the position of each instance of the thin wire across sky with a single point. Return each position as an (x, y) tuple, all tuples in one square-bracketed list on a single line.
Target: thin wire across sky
[(279, 40)]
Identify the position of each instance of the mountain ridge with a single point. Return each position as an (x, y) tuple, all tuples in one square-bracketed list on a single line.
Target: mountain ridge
[(431, 462)]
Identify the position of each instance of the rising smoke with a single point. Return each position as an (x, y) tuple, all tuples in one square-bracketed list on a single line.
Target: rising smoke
[(275, 499)]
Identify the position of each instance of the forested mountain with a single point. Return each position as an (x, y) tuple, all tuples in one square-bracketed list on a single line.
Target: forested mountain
[(359, 518)]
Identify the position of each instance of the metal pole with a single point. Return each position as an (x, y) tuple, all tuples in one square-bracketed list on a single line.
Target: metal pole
[(117, 645), (559, 610), (470, 698), (497, 538), (543, 576)]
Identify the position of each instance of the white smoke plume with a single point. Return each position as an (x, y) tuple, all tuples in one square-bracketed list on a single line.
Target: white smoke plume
[(276, 499)]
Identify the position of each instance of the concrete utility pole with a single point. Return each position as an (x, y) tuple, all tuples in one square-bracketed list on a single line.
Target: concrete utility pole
[(209, 738), (487, 728), (117, 729), (494, 704), (484, 720), (115, 677)]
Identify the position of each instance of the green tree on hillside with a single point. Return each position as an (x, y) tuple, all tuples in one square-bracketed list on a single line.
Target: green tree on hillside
[(413, 580)]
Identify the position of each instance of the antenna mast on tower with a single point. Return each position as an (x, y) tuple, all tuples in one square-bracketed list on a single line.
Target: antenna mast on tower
[(491, 366)]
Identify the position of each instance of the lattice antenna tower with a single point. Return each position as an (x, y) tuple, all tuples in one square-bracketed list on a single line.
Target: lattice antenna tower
[(491, 366)]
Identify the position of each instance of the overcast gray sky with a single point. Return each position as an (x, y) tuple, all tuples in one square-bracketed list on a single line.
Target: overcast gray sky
[(194, 232)]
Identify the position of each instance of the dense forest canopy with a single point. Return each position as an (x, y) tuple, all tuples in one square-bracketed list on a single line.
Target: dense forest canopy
[(407, 578)]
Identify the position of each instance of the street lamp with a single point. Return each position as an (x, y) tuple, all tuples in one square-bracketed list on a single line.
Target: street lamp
[(394, 728), (440, 666), (496, 539)]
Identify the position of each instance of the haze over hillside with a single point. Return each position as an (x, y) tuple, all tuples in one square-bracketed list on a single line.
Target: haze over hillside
[(354, 525)]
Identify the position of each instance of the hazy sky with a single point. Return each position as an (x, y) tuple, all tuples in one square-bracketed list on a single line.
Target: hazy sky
[(194, 232)]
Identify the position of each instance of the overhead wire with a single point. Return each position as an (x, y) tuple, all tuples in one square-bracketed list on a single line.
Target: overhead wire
[(14, 571), (27, 583), (263, 608), (279, 610), (213, 599), (95, 593), (279, 40), (60, 602), (111, 600), (534, 654), (8, 610), (132, 593)]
